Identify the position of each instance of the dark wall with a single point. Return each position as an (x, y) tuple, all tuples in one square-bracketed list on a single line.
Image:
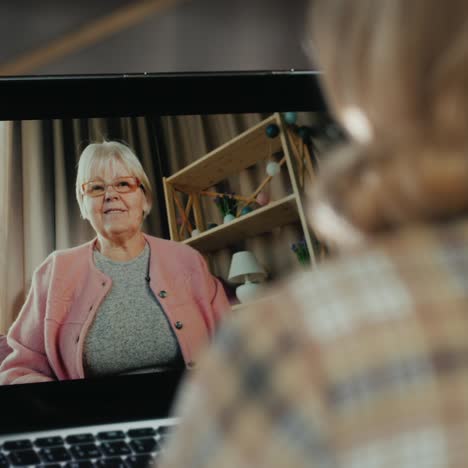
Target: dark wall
[(194, 35)]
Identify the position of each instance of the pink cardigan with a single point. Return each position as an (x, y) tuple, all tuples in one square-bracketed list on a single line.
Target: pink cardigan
[(47, 337)]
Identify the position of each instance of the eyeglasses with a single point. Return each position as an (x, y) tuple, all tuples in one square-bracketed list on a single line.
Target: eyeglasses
[(97, 188)]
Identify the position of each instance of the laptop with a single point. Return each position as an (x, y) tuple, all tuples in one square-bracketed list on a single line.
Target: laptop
[(122, 420)]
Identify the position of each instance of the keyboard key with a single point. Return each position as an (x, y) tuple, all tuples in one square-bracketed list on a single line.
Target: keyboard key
[(48, 442), (139, 461), (24, 457), (80, 464), (164, 439), (111, 435), (3, 461), (110, 449), (115, 462), (146, 445), (166, 429), (55, 454), (17, 445), (85, 451), (79, 439), (143, 432)]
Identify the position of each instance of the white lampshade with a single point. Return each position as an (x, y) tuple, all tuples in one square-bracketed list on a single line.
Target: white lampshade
[(244, 266)]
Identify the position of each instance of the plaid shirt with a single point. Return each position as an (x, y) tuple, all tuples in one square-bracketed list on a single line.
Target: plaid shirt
[(362, 363)]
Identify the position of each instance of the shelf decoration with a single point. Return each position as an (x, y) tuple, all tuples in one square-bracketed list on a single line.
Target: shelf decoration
[(227, 204), (246, 210), (299, 138), (262, 198), (274, 142), (290, 117), (273, 168), (302, 252), (184, 215), (259, 195), (305, 133), (246, 270), (272, 131)]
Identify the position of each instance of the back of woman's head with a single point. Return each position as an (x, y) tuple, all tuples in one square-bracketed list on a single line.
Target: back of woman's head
[(401, 68), (403, 63)]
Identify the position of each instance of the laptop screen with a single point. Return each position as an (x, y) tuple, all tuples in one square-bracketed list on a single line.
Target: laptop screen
[(140, 211)]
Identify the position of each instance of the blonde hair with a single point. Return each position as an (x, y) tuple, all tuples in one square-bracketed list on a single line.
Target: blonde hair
[(98, 157), (404, 65)]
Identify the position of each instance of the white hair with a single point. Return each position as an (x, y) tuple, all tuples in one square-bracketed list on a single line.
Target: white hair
[(98, 157)]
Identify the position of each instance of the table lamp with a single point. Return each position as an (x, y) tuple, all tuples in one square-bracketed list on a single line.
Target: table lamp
[(246, 270)]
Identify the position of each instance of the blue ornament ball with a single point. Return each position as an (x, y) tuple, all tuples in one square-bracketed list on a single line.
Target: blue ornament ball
[(272, 131), (304, 132), (246, 210), (290, 117)]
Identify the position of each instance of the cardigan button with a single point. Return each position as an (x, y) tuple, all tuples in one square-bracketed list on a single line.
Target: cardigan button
[(179, 325), (162, 294)]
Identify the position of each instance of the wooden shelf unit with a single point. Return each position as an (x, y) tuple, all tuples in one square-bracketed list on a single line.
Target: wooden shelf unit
[(275, 214), (231, 158), (238, 154)]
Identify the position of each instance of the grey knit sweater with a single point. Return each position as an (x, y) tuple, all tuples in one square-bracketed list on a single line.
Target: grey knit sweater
[(130, 332)]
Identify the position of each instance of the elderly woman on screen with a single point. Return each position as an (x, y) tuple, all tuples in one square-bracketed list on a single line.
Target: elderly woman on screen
[(124, 302)]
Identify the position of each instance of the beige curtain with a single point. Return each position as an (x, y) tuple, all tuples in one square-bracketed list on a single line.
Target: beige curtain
[(39, 212), (188, 138), (25, 213), (38, 208), (11, 268)]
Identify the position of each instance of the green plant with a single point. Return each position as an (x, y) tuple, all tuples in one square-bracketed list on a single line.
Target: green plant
[(301, 251), (227, 204)]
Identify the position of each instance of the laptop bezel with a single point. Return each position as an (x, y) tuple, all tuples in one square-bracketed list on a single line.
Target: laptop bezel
[(45, 406)]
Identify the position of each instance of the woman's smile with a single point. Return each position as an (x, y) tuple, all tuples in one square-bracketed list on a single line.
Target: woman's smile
[(114, 211)]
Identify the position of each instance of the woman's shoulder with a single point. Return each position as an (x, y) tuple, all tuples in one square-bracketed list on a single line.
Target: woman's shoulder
[(77, 252), (60, 256), (63, 263)]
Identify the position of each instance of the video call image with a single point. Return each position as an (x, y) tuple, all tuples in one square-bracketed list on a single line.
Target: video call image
[(127, 241)]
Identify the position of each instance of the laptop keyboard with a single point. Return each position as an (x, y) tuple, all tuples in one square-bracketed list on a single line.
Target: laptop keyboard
[(138, 447)]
